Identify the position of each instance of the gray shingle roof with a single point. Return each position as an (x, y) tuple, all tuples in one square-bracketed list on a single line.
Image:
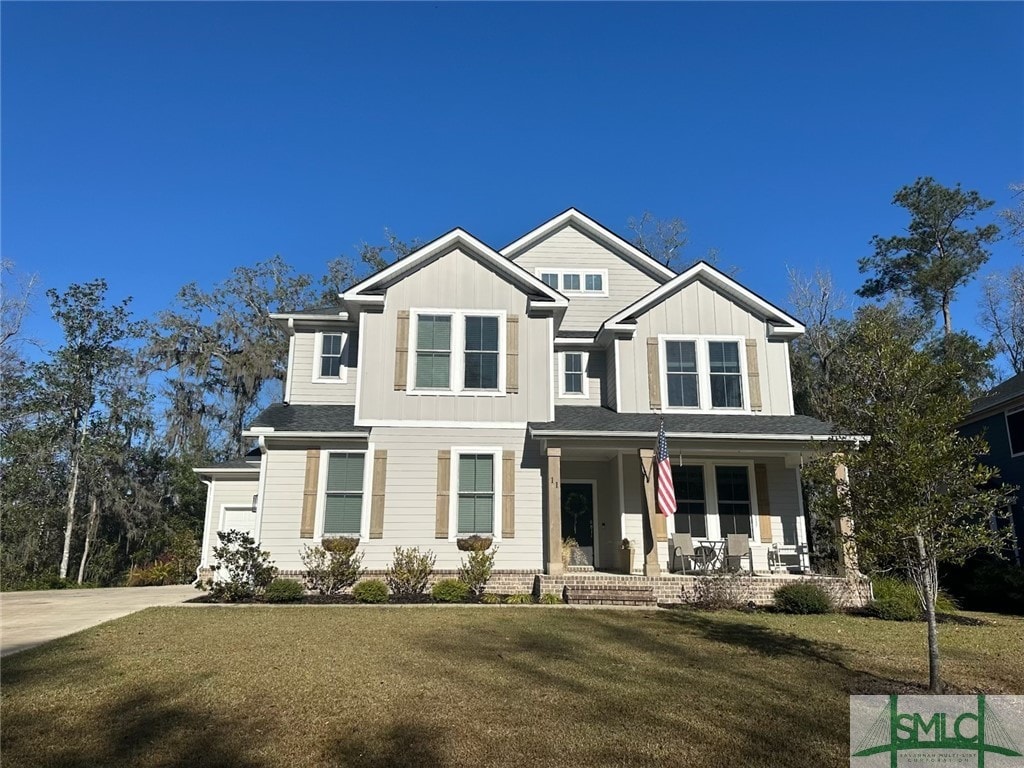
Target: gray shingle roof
[(573, 418), (1009, 390), (308, 418)]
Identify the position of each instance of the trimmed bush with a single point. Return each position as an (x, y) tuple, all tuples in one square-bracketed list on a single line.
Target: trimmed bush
[(475, 570), (490, 598), (895, 600), (450, 591), (155, 575), (409, 571), (370, 591), (283, 591), (247, 571), (550, 599), (802, 598), (332, 567), (522, 598)]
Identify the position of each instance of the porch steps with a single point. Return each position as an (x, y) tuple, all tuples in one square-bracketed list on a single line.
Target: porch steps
[(590, 594)]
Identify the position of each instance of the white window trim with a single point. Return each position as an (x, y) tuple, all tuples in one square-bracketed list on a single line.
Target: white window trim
[(318, 345), (585, 394), (714, 522), (1009, 437), (453, 490), (703, 373), (321, 499), (457, 365), (583, 280)]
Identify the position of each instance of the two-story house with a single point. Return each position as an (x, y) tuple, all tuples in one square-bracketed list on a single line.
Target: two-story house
[(518, 393)]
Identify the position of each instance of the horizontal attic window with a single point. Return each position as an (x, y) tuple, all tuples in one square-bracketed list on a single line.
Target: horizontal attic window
[(570, 281)]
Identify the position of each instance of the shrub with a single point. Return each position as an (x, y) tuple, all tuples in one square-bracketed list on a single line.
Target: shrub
[(183, 556), (490, 598), (283, 591), (332, 567), (522, 598), (450, 591), (549, 598), (476, 570), (944, 603), (409, 572), (244, 570), (895, 600), (717, 591), (474, 543), (802, 598), (987, 583), (155, 575), (370, 591)]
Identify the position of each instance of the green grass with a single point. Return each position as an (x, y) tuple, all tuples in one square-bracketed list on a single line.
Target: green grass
[(310, 686)]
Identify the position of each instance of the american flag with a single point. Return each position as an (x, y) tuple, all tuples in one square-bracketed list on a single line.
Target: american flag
[(666, 490)]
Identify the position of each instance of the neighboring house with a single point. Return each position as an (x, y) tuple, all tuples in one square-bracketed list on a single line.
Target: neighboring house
[(518, 393), (999, 417)]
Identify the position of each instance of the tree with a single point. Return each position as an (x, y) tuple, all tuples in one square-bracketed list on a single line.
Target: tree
[(1002, 314), (938, 255), (1014, 216), (662, 239), (915, 491), (76, 380)]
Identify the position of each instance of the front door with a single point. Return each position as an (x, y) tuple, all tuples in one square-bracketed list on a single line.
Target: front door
[(578, 520)]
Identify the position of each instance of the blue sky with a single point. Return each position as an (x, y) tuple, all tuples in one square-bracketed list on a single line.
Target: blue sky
[(153, 144)]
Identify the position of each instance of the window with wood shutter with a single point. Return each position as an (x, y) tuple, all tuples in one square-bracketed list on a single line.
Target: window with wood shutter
[(433, 351), (681, 374), (764, 503), (307, 522), (508, 494), (380, 474), (401, 350), (343, 494), (512, 354), (444, 466), (476, 493), (653, 374), (753, 375), (481, 356)]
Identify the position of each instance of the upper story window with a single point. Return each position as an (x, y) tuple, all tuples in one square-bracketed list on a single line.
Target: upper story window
[(329, 365), (703, 373), (458, 351), (573, 381), (592, 282)]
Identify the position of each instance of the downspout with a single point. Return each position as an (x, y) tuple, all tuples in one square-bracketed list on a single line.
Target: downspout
[(204, 560), (262, 442), (291, 361)]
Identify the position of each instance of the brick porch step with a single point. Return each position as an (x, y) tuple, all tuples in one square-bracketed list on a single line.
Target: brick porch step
[(610, 595)]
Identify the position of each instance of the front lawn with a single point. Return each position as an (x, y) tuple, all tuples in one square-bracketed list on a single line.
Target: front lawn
[(310, 686)]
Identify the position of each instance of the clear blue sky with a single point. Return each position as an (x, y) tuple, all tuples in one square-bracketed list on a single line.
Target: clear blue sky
[(153, 144)]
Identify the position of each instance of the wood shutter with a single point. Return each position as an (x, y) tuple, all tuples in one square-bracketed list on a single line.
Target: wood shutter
[(402, 350), (764, 506), (309, 494), (508, 495), (753, 375), (653, 374), (380, 475), (444, 468), (512, 354)]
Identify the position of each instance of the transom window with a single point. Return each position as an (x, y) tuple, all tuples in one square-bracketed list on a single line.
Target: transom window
[(433, 351), (476, 493), (330, 356), (681, 372), (572, 373), (703, 373), (732, 485), (576, 280), (691, 506), (343, 502), (481, 369)]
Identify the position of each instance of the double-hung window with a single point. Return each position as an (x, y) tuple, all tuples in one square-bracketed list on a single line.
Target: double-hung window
[(681, 374), (481, 360), (433, 351), (550, 279), (726, 377), (330, 356), (573, 376), (732, 485), (343, 495), (691, 504), (476, 493)]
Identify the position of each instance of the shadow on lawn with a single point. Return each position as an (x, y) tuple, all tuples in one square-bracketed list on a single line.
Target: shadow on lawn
[(402, 744)]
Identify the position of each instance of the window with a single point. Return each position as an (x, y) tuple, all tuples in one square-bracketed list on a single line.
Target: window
[(726, 378), (1015, 428), (481, 369), (330, 356), (690, 516), (733, 487), (433, 351), (571, 281), (550, 279), (681, 373), (572, 373), (576, 280), (476, 493), (594, 283), (343, 502)]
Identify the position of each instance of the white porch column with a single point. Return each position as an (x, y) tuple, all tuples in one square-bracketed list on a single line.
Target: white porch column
[(553, 508)]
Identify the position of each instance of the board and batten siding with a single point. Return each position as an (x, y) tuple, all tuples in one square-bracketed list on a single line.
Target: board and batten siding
[(596, 374), (458, 282), (699, 309), (569, 248), (227, 492), (306, 356), (410, 494)]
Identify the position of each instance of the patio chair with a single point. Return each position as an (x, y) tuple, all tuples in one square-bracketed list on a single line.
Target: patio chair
[(683, 553), (737, 549)]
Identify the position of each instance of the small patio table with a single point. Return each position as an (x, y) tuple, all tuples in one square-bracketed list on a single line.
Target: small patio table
[(710, 553)]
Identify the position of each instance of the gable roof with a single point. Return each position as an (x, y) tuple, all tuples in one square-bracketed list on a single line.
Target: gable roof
[(1000, 395), (782, 323), (572, 217), (371, 290)]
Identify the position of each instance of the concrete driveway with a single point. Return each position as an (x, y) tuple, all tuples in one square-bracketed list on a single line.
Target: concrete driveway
[(28, 619)]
